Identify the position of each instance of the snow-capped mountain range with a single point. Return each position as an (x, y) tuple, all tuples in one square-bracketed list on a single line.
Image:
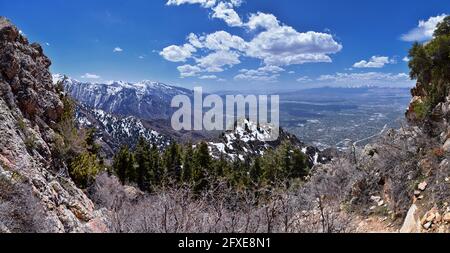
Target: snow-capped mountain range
[(146, 99)]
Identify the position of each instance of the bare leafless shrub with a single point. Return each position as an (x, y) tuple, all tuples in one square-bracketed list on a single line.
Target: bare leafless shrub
[(326, 195), (219, 209), (391, 168), (440, 186), (396, 171), (107, 192)]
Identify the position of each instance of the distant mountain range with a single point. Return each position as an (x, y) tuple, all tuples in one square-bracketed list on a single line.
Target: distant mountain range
[(146, 99)]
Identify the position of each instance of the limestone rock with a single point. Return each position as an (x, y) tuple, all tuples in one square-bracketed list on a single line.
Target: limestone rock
[(446, 218), (446, 146), (422, 186), (412, 223), (428, 225)]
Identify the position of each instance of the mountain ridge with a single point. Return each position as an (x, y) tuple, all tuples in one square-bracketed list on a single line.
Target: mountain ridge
[(150, 100)]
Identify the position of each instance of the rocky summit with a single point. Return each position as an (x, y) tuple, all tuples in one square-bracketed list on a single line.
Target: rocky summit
[(248, 139), (30, 109)]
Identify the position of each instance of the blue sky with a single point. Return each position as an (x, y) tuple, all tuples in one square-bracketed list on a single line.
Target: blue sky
[(232, 44)]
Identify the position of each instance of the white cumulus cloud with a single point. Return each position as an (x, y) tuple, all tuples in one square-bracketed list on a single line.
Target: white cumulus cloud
[(283, 45), (188, 70), (304, 79), (272, 42), (117, 50), (203, 3), (262, 20), (425, 29), (374, 62), (215, 62), (223, 9), (208, 77), (264, 74), (222, 40), (226, 12), (178, 53), (280, 44)]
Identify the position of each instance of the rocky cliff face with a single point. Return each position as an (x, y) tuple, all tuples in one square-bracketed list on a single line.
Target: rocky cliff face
[(430, 211), (30, 109), (434, 120)]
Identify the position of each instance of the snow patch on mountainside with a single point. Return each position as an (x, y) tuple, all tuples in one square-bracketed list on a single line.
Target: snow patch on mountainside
[(116, 131)]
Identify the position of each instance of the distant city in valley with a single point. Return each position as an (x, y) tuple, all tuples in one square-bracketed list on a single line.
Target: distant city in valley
[(339, 117)]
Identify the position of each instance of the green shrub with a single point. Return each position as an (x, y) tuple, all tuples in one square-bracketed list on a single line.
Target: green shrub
[(21, 124), (84, 169), (421, 109)]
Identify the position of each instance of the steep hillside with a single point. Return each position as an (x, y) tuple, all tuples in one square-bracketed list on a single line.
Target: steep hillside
[(32, 181), (406, 173)]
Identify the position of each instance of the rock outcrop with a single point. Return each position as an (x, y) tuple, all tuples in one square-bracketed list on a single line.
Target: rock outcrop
[(30, 109), (412, 222)]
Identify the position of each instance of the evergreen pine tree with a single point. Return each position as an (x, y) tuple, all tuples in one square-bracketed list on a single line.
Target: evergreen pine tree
[(443, 28), (124, 165), (155, 171), (172, 163), (202, 166), (221, 167), (256, 171), (92, 147), (143, 164), (188, 164), (285, 155), (270, 165), (299, 168)]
